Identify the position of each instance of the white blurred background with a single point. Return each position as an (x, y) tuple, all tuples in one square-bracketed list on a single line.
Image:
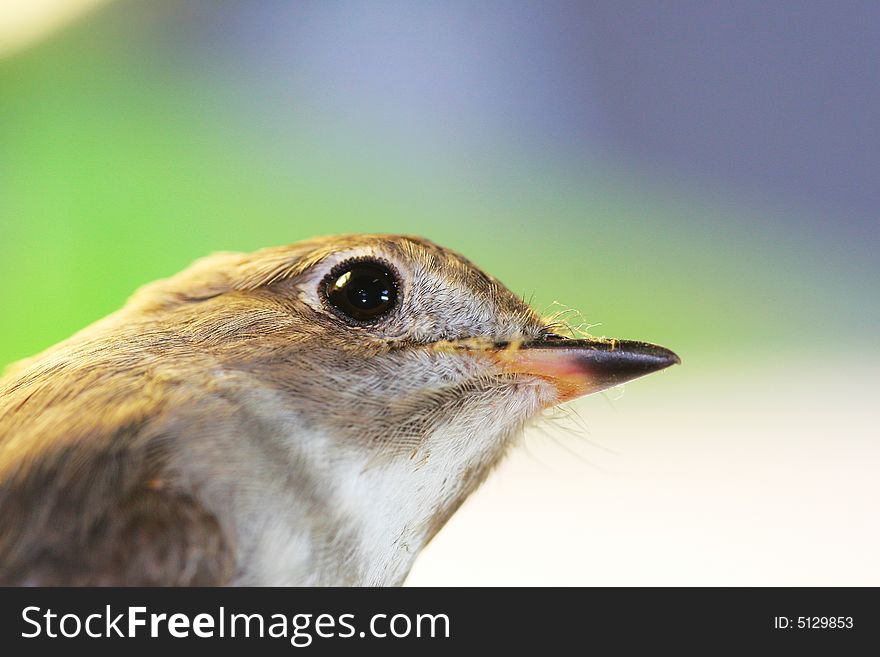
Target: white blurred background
[(767, 478)]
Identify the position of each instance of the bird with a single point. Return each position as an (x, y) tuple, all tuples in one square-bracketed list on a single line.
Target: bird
[(304, 415)]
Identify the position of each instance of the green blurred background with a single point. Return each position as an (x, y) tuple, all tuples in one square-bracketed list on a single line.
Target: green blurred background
[(135, 140), (605, 156)]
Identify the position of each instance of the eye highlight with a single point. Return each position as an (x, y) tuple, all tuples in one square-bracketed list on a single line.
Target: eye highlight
[(361, 289)]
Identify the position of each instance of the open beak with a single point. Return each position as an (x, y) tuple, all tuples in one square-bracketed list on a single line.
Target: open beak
[(582, 367)]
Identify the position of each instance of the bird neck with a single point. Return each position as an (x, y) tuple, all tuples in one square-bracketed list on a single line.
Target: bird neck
[(307, 505)]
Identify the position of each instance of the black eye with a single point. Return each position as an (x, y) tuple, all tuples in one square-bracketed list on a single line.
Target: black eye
[(362, 290)]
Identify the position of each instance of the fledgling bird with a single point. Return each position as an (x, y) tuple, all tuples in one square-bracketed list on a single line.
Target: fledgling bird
[(303, 415)]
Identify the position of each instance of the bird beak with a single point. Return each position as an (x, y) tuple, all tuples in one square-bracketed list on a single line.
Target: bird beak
[(582, 367)]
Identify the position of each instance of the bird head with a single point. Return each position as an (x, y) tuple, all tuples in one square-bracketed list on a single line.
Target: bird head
[(401, 370), (372, 332)]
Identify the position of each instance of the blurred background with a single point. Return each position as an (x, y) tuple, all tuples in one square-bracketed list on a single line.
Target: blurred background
[(701, 175)]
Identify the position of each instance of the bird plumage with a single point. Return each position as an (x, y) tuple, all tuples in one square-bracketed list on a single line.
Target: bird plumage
[(222, 428), (227, 426)]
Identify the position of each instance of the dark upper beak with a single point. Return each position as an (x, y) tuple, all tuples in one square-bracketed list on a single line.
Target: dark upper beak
[(582, 367)]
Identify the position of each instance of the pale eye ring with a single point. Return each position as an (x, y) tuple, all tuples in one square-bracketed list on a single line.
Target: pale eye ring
[(361, 290)]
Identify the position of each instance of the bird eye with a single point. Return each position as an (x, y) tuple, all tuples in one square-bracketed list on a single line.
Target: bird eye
[(362, 290)]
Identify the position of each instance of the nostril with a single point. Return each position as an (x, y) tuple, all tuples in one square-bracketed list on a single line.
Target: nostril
[(551, 337)]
